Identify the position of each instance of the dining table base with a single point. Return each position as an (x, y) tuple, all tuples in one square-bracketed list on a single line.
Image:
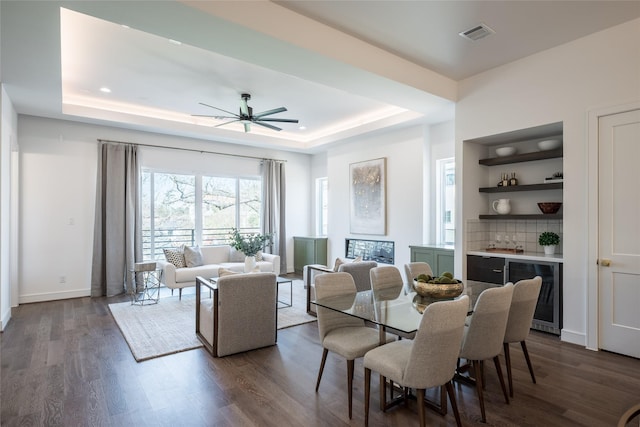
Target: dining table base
[(440, 408)]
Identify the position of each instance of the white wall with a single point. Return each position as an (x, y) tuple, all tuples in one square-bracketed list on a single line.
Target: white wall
[(8, 143), (57, 196), (403, 150), (441, 145), (560, 84)]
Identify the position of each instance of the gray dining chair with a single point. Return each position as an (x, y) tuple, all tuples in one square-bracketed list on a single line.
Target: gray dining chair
[(413, 270), (340, 333), (523, 306), (483, 337), (385, 277), (427, 361)]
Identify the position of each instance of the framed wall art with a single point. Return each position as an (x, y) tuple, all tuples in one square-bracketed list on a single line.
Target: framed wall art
[(367, 182)]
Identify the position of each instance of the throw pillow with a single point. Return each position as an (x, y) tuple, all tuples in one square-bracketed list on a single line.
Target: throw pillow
[(236, 255), (340, 261), (259, 256), (225, 272), (193, 256), (175, 257)]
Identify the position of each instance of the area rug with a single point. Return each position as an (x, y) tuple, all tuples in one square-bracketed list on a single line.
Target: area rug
[(169, 326), (297, 313), (159, 329)]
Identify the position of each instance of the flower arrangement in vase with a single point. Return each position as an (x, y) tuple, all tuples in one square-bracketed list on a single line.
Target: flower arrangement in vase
[(249, 244)]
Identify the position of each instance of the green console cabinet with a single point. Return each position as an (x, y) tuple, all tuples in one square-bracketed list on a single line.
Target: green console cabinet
[(309, 250), (439, 257)]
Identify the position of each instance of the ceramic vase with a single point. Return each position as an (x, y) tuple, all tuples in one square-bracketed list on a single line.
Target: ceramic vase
[(249, 264)]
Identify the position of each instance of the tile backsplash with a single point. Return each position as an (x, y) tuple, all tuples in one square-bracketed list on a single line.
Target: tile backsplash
[(482, 233)]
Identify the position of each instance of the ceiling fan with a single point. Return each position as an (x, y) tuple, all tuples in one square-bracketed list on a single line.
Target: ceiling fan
[(246, 116)]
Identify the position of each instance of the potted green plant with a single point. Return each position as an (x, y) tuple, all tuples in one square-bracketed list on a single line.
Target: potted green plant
[(250, 245), (549, 240)]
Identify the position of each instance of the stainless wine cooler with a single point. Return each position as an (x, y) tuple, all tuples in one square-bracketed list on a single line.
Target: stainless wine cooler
[(548, 314)]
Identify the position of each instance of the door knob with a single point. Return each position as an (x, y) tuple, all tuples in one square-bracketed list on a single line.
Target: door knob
[(605, 262)]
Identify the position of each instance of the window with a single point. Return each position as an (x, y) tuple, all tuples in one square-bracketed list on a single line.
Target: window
[(445, 200), (322, 195), (180, 209)]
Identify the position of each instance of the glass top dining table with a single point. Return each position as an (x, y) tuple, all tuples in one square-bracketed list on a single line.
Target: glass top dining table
[(390, 308)]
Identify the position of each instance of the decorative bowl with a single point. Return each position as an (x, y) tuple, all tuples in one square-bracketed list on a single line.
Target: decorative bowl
[(438, 290), (505, 151), (549, 207), (549, 144)]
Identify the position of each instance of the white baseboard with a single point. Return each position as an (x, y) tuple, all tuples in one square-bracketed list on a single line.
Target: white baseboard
[(579, 338), (5, 320), (51, 296)]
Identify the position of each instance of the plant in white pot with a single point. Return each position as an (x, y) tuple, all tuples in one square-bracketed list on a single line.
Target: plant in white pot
[(250, 245), (549, 240)]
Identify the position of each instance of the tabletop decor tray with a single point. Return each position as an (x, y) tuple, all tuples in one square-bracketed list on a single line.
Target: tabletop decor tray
[(505, 250)]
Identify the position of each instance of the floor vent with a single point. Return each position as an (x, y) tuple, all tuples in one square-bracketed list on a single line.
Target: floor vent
[(476, 33)]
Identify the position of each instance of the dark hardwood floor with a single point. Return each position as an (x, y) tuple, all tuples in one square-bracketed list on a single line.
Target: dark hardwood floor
[(65, 363)]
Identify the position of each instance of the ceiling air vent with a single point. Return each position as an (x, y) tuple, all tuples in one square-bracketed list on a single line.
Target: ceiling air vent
[(478, 32)]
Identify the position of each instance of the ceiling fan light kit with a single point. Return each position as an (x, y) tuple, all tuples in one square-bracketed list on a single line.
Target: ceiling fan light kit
[(246, 116)]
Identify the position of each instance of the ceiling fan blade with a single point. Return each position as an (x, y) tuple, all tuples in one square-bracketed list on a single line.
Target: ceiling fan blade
[(280, 120), (247, 126), (269, 112), (226, 123), (267, 125), (211, 106), (215, 117)]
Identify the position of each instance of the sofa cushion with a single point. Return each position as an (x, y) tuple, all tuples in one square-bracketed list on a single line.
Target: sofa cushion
[(236, 255), (262, 266), (216, 254), (175, 257), (190, 274), (192, 256)]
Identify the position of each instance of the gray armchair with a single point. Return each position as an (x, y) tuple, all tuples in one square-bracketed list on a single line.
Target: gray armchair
[(358, 270), (237, 313)]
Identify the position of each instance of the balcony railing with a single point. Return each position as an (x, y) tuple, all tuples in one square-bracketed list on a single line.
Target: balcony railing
[(153, 244)]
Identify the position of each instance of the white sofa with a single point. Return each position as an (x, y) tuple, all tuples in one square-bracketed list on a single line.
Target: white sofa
[(213, 257)]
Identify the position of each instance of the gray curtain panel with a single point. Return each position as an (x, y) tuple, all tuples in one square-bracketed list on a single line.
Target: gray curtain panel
[(273, 207), (117, 242)]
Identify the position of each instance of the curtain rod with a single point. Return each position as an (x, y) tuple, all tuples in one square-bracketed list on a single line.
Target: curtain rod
[(193, 149)]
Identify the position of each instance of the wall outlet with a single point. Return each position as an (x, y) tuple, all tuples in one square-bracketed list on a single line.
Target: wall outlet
[(63, 279)]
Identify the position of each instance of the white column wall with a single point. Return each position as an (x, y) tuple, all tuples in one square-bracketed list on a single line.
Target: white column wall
[(559, 84)]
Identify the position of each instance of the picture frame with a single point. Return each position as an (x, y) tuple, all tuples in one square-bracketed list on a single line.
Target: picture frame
[(367, 197)]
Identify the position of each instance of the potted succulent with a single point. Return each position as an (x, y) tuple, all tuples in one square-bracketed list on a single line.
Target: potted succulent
[(549, 240)]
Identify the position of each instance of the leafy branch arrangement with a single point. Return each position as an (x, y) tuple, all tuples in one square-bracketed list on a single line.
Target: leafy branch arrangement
[(249, 244)]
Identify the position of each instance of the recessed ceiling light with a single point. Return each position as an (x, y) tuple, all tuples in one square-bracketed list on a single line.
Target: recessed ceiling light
[(105, 90), (176, 42), (302, 127)]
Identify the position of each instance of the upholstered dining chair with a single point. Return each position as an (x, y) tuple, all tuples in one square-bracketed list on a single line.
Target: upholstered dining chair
[(387, 280), (523, 306), (340, 333), (385, 277), (413, 270), (484, 335), (427, 361)]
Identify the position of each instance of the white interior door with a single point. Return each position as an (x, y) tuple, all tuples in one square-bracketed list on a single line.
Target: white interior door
[(619, 233)]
